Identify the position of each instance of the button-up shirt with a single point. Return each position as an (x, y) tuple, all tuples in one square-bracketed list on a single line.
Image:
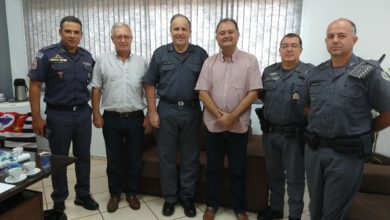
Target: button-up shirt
[(120, 82), (340, 105), (173, 74), (282, 90), (65, 75), (228, 82)]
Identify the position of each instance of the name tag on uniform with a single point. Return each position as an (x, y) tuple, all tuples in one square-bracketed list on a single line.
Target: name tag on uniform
[(58, 59)]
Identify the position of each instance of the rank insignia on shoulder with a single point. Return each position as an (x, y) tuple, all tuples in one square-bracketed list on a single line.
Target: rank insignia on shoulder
[(58, 59), (295, 96), (362, 70), (385, 76), (39, 55), (34, 64)]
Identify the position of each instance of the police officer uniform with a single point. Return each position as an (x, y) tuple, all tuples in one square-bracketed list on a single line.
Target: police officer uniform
[(282, 137), (175, 76), (66, 78), (339, 131)]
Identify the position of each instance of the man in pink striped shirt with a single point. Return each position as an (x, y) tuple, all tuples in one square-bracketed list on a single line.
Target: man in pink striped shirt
[(228, 85)]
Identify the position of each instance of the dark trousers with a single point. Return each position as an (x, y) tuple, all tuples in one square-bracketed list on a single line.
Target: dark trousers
[(178, 133), (234, 145), (71, 127), (333, 180), (123, 138), (284, 160)]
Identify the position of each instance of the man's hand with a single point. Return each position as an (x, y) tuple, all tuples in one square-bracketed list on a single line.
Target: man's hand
[(98, 120), (226, 121), (154, 119), (147, 123), (38, 125)]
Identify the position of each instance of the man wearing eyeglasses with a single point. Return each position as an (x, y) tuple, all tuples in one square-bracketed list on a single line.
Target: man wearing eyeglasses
[(282, 125), (117, 83)]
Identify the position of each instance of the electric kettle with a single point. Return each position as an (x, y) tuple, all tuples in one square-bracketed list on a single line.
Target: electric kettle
[(20, 90)]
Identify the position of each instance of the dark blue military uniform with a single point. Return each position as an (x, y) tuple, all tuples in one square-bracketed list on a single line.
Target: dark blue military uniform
[(282, 141), (175, 76), (339, 132), (66, 77)]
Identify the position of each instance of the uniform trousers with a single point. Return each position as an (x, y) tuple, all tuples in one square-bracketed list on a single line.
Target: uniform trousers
[(123, 138), (178, 135), (333, 180), (71, 127), (234, 145), (284, 160)]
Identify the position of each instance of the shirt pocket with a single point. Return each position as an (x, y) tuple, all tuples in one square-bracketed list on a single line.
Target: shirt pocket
[(269, 85), (353, 95), (58, 71)]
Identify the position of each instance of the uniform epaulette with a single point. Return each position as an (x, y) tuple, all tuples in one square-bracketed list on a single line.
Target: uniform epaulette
[(363, 69), (48, 48), (273, 67), (84, 50)]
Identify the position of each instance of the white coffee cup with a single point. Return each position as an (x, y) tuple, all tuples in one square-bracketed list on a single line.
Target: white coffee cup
[(30, 166), (15, 172), (17, 151)]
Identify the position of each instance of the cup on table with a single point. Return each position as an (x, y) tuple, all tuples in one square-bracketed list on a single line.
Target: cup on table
[(17, 151), (30, 166), (15, 172), (45, 160)]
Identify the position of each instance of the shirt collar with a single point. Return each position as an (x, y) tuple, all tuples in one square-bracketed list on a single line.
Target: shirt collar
[(234, 56)]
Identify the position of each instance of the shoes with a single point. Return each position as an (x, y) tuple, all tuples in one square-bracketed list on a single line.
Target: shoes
[(242, 216), (112, 205), (270, 214), (59, 206), (54, 214), (87, 202), (209, 214), (133, 202), (189, 207), (291, 218), (168, 209)]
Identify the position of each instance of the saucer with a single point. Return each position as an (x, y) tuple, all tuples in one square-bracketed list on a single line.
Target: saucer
[(35, 171), (10, 179)]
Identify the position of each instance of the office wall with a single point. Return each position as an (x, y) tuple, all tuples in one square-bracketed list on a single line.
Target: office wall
[(5, 68), (372, 19)]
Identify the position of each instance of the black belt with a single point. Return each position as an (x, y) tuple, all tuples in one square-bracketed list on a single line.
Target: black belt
[(124, 114), (180, 103), (283, 129), (67, 108)]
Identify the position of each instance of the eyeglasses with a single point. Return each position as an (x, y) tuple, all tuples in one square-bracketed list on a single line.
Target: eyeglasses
[(293, 46), (125, 37)]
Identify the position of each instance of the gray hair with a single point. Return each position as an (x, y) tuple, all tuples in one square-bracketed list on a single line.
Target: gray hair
[(119, 25)]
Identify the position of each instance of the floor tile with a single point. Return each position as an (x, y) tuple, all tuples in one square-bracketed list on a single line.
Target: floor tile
[(99, 185), (98, 170), (92, 217), (143, 213)]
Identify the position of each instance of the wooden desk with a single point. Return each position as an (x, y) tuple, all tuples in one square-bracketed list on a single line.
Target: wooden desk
[(18, 198)]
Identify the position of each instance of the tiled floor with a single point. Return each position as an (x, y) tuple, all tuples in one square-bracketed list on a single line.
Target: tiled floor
[(150, 205)]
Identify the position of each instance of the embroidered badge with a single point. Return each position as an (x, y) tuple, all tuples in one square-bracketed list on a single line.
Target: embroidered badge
[(58, 59), (295, 96), (385, 75), (39, 55), (60, 74), (34, 64), (273, 73)]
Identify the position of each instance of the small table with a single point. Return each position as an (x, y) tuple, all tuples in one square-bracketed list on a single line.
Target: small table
[(17, 195)]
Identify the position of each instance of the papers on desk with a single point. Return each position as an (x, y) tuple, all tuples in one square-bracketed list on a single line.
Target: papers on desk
[(4, 187)]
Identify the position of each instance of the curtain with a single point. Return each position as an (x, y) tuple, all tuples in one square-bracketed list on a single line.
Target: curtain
[(262, 23)]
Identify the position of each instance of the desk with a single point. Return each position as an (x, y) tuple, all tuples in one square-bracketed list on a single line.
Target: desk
[(18, 195)]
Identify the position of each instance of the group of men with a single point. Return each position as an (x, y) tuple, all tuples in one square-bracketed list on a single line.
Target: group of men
[(331, 102)]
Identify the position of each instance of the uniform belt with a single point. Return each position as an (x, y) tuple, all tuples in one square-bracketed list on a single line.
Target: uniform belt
[(180, 103), (67, 108), (284, 129), (124, 114)]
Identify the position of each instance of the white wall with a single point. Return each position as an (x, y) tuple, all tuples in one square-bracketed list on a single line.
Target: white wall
[(372, 19)]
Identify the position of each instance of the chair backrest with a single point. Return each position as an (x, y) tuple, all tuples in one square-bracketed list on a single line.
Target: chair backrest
[(17, 130)]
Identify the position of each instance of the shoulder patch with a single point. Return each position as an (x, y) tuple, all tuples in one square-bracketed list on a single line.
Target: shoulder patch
[(362, 70), (385, 75), (34, 64)]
